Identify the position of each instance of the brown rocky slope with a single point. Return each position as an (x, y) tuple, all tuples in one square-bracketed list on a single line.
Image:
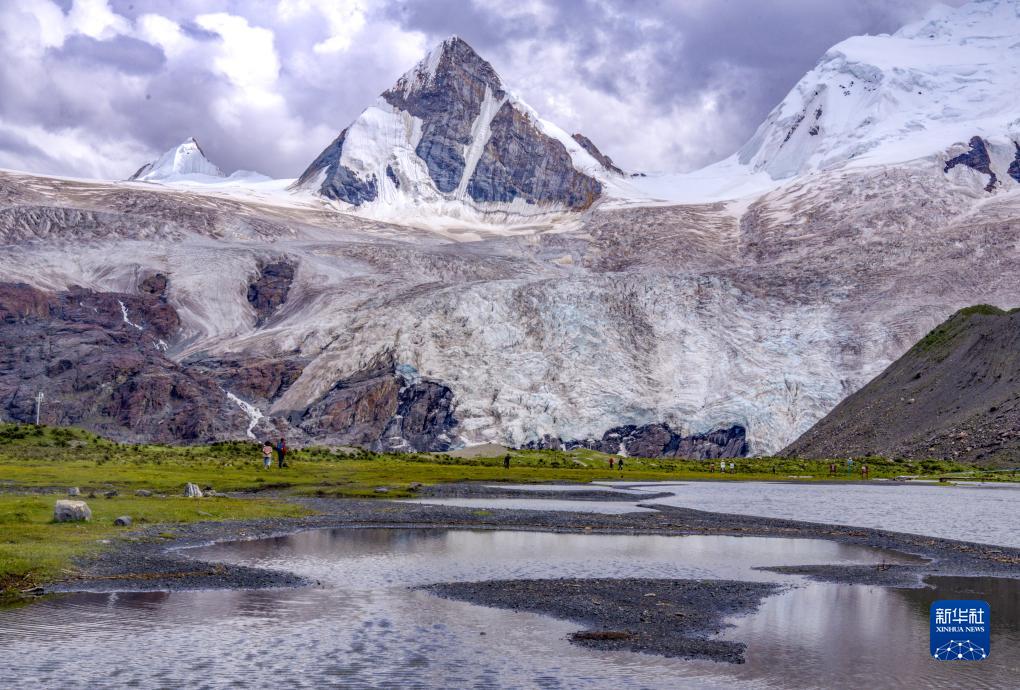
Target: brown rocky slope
[(955, 394)]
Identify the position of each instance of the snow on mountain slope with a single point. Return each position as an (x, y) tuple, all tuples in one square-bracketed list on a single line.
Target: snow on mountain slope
[(875, 100), (761, 313), (450, 140), (180, 162)]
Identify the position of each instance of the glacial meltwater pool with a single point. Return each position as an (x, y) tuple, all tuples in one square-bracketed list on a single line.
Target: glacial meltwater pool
[(363, 627), (986, 514)]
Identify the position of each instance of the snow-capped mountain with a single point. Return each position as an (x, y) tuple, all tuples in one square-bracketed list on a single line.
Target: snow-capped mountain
[(880, 100), (707, 313), (449, 135), (185, 159)]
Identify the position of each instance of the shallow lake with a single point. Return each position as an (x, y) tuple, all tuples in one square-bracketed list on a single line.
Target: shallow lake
[(362, 626), (985, 514)]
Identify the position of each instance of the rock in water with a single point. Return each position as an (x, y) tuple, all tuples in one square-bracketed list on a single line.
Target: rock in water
[(192, 491), (74, 491), (71, 511), (123, 521)]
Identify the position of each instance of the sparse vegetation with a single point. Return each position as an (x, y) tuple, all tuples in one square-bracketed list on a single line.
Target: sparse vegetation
[(38, 464)]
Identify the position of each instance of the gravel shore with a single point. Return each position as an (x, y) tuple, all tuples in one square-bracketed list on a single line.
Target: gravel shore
[(666, 617)]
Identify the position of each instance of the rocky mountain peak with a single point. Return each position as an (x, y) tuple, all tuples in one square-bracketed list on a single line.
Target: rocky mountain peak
[(449, 131), (451, 64)]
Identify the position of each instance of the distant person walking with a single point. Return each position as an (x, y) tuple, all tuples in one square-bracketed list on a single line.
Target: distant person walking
[(619, 464), (281, 452), (506, 461), (733, 468), (611, 461), (722, 465), (267, 455)]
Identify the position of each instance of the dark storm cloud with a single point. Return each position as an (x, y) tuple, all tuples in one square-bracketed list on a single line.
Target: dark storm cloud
[(123, 53), (267, 85)]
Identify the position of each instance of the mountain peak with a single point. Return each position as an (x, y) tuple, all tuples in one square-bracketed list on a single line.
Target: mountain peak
[(449, 131), (899, 97), (451, 62), (187, 158)]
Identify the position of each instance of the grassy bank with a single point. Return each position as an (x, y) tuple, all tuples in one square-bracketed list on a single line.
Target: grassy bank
[(38, 464)]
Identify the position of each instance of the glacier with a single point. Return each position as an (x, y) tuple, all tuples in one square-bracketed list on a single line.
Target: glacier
[(759, 291)]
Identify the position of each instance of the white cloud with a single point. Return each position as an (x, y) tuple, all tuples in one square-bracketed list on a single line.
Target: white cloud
[(95, 19), (345, 19), (165, 33), (246, 56), (76, 148)]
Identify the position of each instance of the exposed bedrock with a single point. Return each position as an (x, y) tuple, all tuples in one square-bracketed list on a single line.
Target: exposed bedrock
[(253, 378), (976, 158), (1014, 166), (383, 407), (269, 290), (99, 360), (659, 441), (338, 181), (447, 102), (520, 162), (589, 146), (155, 285)]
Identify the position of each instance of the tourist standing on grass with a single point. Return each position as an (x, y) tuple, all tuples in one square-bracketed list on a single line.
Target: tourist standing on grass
[(267, 455), (619, 463), (611, 461), (506, 461), (281, 452)]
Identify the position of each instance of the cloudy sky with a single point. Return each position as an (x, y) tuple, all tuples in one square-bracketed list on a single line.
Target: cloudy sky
[(95, 88)]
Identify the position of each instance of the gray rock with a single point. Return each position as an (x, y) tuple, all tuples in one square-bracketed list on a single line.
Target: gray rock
[(659, 441), (385, 410), (382, 489), (520, 161), (71, 511), (269, 290), (74, 491), (339, 181), (123, 521), (192, 491), (977, 159), (589, 146), (110, 494), (143, 492)]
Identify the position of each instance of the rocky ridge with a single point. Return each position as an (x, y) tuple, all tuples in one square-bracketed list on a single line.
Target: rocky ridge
[(449, 130), (954, 395)]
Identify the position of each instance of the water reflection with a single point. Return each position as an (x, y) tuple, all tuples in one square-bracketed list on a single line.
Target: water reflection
[(364, 627)]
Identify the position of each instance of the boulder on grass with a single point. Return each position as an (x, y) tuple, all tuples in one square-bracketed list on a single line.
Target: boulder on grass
[(123, 521), (143, 492), (74, 491), (192, 491), (71, 511)]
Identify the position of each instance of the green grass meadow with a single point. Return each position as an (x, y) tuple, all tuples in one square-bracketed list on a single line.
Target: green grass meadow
[(38, 464)]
